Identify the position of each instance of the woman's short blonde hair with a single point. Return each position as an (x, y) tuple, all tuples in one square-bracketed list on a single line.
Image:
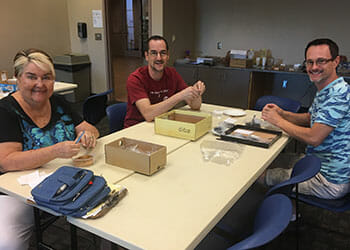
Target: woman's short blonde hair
[(39, 57)]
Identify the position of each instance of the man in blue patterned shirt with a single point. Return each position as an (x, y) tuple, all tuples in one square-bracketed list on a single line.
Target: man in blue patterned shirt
[(325, 128)]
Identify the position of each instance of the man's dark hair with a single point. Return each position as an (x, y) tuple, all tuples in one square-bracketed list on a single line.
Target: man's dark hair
[(157, 37), (333, 47)]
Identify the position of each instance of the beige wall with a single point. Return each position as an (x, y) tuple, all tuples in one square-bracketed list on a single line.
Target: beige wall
[(81, 11), (156, 17), (198, 24), (52, 26), (282, 26), (24, 24), (179, 32)]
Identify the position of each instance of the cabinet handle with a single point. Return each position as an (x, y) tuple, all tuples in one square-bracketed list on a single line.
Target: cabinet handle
[(222, 76)]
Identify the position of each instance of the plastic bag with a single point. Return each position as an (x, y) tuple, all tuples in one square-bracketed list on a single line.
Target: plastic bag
[(221, 152)]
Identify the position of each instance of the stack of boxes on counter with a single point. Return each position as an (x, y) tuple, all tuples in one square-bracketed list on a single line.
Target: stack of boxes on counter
[(241, 58)]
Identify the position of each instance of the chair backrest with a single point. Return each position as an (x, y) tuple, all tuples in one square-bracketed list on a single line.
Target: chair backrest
[(303, 170), (283, 102), (272, 218), (116, 115), (94, 107)]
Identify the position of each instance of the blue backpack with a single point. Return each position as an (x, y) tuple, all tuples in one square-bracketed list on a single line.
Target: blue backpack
[(71, 191)]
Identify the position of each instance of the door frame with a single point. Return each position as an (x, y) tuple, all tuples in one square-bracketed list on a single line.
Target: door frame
[(109, 57)]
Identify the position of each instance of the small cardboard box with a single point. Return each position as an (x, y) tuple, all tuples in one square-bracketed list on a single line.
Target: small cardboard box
[(241, 63), (183, 124), (142, 157)]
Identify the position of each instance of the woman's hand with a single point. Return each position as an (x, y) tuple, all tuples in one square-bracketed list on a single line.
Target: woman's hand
[(90, 136), (88, 140), (67, 149)]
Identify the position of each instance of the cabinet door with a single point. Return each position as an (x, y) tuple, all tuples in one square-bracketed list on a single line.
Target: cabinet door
[(225, 86), (235, 88), (188, 72), (212, 79)]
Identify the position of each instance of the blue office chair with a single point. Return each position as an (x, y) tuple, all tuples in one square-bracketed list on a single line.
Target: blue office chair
[(94, 107), (272, 218), (303, 170), (284, 103), (116, 115)]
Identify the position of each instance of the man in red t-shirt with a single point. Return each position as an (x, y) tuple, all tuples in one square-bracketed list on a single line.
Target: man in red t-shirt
[(155, 89)]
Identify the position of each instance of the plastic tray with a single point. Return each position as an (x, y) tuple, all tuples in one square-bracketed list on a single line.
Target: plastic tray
[(251, 136)]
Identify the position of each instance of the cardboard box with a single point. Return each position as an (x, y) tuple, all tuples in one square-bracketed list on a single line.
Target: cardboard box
[(238, 54), (142, 157), (241, 63), (183, 124)]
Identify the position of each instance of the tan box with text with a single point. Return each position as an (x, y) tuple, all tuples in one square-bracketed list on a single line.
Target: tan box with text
[(184, 124)]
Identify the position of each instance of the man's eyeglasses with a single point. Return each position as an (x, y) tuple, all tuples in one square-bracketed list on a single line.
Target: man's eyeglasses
[(155, 53), (319, 62)]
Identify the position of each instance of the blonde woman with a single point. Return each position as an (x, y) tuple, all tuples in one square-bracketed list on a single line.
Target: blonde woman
[(35, 128)]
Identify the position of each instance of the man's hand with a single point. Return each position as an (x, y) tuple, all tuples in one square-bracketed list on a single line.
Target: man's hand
[(200, 86), (189, 94), (193, 92), (272, 113)]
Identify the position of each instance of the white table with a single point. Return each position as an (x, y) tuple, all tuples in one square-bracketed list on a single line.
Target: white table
[(176, 207), (113, 174), (62, 88), (58, 87)]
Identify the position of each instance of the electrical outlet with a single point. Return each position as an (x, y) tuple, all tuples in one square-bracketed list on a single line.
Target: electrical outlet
[(173, 38), (219, 45)]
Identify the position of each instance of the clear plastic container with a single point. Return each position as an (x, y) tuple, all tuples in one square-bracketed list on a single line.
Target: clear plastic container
[(250, 54), (221, 152), (218, 114)]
